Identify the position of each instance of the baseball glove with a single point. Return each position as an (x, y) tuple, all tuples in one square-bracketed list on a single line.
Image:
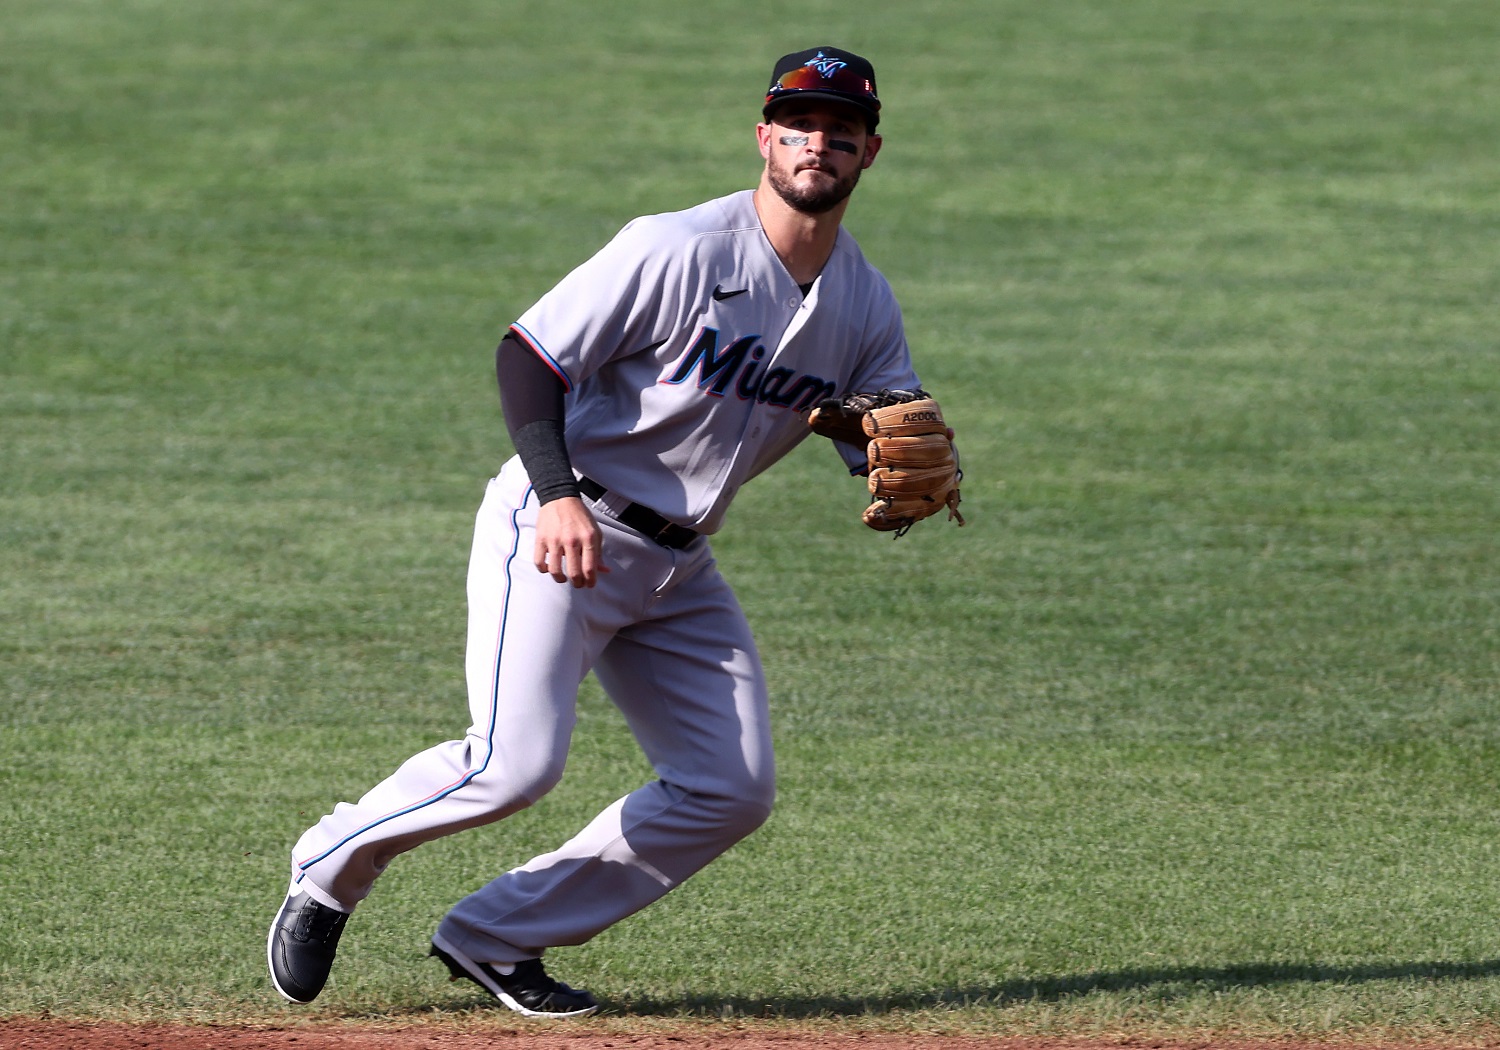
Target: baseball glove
[(913, 467)]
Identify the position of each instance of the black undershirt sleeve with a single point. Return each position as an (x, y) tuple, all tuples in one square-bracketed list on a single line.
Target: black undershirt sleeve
[(531, 397)]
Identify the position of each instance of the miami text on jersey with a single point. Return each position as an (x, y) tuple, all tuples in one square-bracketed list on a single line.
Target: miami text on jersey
[(739, 365)]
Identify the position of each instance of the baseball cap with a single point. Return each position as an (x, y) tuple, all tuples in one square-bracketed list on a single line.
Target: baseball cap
[(824, 72)]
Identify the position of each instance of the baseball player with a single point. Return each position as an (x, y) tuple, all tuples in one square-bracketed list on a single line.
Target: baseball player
[(640, 393)]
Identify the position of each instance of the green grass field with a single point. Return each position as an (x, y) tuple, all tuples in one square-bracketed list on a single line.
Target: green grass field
[(1195, 727)]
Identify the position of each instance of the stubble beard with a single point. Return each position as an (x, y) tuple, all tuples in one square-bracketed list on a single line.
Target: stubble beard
[(811, 200)]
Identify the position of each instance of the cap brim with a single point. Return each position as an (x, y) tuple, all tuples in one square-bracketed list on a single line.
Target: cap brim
[(872, 114)]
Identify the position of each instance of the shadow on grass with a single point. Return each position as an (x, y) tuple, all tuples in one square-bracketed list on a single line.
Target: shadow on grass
[(1162, 985)]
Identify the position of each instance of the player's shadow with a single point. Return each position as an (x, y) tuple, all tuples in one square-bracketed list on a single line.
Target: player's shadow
[(1164, 985)]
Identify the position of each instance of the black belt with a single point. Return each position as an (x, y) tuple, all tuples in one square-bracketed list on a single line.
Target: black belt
[(643, 519)]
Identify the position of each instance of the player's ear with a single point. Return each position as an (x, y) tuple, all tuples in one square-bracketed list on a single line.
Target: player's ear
[(763, 139), (872, 147)]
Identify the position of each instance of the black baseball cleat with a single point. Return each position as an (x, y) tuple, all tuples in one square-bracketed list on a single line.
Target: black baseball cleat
[(526, 990), (301, 946)]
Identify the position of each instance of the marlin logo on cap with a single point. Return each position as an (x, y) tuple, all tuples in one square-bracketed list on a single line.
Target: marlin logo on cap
[(826, 66)]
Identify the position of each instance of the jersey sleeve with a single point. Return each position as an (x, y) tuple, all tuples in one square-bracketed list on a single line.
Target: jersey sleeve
[(885, 358), (884, 364), (610, 306)]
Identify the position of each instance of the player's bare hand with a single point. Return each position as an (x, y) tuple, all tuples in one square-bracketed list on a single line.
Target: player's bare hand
[(569, 545)]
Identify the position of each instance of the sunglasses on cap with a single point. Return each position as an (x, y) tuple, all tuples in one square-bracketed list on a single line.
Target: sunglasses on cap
[(839, 82)]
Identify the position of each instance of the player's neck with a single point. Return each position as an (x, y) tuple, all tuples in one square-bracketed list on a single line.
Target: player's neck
[(803, 242)]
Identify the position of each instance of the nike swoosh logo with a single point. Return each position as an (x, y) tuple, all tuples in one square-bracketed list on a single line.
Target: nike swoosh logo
[(720, 294)]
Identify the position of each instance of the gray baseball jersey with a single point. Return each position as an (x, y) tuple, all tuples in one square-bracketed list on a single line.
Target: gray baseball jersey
[(689, 354)]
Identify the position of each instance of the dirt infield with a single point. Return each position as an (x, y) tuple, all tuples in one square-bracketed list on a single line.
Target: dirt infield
[(16, 1034)]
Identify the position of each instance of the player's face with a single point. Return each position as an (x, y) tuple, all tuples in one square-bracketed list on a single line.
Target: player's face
[(815, 152)]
